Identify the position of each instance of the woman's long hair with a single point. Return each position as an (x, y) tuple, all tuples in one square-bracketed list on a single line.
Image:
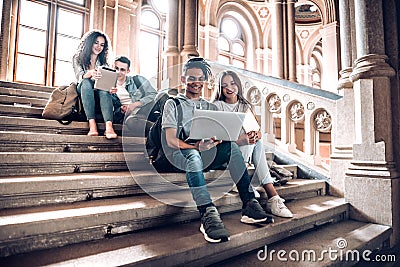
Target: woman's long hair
[(84, 51), (219, 95)]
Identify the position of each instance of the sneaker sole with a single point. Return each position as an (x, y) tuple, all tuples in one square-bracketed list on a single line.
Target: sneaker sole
[(209, 239), (248, 220)]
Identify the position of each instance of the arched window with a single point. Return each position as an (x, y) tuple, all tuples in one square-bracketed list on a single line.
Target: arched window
[(47, 35), (152, 40), (231, 43)]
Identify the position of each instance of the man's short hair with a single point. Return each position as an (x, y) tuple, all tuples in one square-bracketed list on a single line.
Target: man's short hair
[(197, 62), (123, 59)]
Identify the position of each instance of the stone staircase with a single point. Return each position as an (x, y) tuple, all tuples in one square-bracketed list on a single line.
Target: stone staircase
[(71, 200)]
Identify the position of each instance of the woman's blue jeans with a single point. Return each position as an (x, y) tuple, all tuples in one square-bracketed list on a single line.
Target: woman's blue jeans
[(191, 160), (88, 96)]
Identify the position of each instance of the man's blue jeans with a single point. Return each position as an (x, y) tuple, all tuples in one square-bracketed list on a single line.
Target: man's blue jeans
[(87, 94), (191, 160)]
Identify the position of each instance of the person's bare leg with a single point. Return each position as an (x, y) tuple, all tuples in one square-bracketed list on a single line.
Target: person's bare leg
[(270, 190), (93, 128), (110, 133)]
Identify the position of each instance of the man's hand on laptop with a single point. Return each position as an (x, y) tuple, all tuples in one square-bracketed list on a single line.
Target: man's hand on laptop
[(204, 145)]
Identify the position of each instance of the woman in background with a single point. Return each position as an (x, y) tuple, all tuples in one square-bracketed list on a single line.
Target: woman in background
[(92, 54), (229, 97)]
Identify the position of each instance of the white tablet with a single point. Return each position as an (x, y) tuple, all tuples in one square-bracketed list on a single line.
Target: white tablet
[(108, 79), (225, 126)]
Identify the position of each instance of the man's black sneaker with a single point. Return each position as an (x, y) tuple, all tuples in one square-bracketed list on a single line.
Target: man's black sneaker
[(212, 227), (254, 213)]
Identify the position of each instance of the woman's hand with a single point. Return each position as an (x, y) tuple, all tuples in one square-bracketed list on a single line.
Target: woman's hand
[(254, 136), (96, 74)]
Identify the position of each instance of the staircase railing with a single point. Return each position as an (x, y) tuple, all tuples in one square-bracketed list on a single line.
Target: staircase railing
[(295, 119)]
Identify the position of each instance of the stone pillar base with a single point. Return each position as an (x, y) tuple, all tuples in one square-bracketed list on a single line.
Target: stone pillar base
[(373, 193)]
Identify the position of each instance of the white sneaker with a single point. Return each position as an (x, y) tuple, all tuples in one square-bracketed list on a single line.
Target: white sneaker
[(276, 206)]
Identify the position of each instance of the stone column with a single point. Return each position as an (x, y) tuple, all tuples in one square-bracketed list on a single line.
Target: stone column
[(190, 30), (172, 50), (343, 126), (372, 183), (291, 40), (278, 44), (331, 60)]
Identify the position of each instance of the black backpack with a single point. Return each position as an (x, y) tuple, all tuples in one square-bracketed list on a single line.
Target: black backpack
[(154, 149)]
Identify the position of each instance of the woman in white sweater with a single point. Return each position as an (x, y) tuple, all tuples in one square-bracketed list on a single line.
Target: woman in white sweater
[(229, 97)]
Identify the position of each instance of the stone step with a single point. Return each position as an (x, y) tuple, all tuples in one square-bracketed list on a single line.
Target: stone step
[(24, 93), (23, 191), (21, 111), (24, 101), (39, 163), (49, 126), (149, 246), (343, 244), (25, 86), (46, 142)]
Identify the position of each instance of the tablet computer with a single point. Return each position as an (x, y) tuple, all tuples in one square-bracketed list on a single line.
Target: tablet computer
[(108, 79), (225, 126)]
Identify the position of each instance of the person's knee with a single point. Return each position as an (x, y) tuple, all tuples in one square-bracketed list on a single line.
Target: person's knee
[(86, 84), (194, 161)]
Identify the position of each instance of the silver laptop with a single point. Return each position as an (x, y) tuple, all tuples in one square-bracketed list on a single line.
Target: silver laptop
[(225, 126)]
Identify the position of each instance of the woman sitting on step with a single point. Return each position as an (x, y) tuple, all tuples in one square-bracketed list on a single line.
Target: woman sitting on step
[(91, 55), (229, 97)]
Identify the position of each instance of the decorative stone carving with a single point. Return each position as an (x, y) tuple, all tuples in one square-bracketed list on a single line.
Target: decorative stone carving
[(286, 98), (274, 103), (323, 121), (254, 96), (310, 105), (296, 112)]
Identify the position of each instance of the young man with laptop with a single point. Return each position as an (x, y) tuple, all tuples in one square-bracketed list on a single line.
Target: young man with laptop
[(207, 153)]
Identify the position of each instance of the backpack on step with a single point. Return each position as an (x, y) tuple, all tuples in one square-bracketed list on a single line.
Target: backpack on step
[(154, 149), (64, 105)]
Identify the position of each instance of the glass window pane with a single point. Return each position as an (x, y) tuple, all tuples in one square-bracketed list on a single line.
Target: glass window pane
[(64, 73), (223, 44), (69, 23), (150, 19), (30, 69), (79, 2), (33, 14), (66, 47), (32, 42), (230, 28), (161, 5), (148, 56), (238, 49), (223, 60), (238, 63)]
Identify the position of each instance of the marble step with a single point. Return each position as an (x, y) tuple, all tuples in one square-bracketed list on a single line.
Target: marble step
[(47, 142), (23, 93), (25, 86), (21, 111), (41, 163), (23, 101), (170, 244), (346, 243), (49, 126), (23, 191)]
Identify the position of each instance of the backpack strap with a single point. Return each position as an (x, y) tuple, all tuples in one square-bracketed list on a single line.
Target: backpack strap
[(138, 84), (180, 133)]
